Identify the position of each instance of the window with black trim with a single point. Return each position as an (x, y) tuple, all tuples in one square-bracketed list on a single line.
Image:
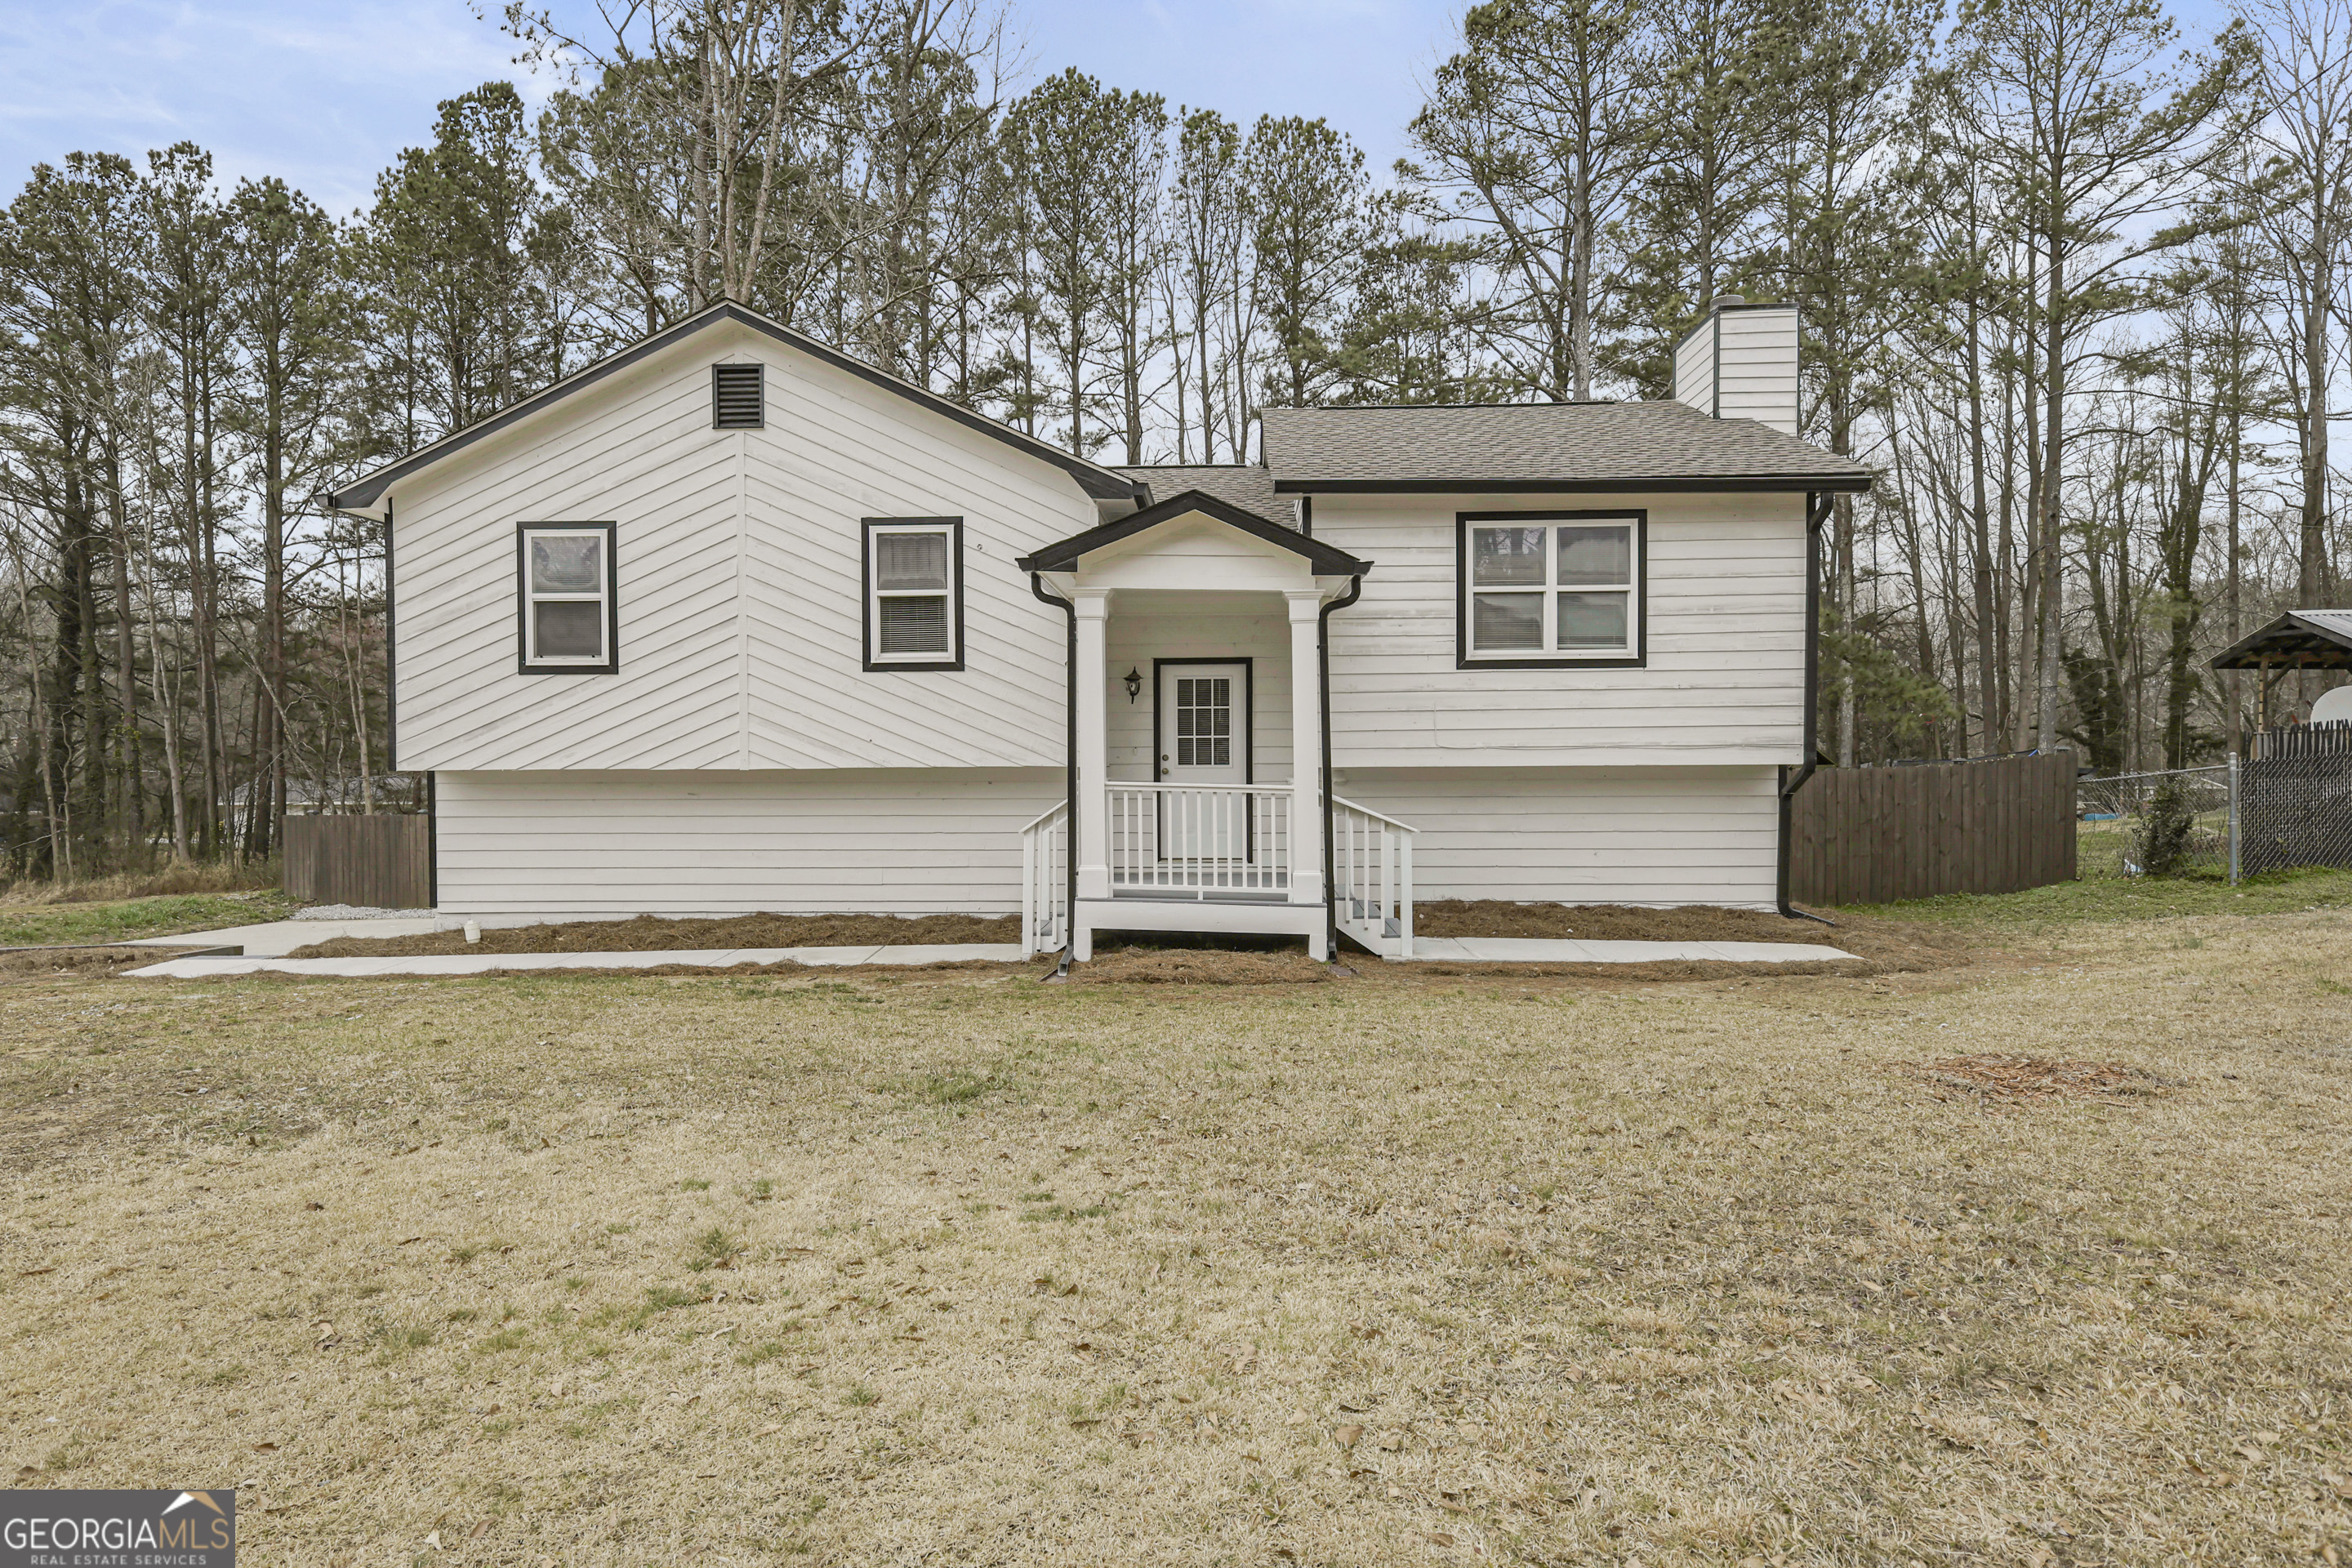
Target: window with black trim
[(1557, 588), (568, 620), (738, 397), (914, 593)]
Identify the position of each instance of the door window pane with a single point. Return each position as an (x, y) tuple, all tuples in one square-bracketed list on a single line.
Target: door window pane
[(566, 564), (910, 560), (915, 624), (1504, 557), (1204, 722), (1499, 621), (1592, 620), (1602, 557), (569, 628)]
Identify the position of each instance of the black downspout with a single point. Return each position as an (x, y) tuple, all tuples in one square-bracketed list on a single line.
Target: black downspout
[(392, 729), (1070, 746), (391, 667), (433, 841), (1323, 672), (1817, 512)]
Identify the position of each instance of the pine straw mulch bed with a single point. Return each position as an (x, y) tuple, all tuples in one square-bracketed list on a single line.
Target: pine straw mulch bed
[(1880, 947), (648, 934), (1998, 1077), (96, 961)]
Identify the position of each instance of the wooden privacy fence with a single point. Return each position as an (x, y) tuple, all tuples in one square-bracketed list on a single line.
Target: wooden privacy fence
[(1870, 836), (381, 862)]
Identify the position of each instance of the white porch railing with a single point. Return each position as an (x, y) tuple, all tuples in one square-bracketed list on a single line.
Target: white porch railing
[(1371, 876), (1046, 882), (1198, 841)]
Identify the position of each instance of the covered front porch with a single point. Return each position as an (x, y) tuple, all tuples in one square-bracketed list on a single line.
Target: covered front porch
[(1197, 737)]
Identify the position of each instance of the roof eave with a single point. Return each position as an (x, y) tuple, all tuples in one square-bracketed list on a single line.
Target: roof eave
[(1841, 484)]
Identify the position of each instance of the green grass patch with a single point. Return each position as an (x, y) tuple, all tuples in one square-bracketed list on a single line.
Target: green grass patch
[(121, 920), (958, 1085), (714, 1248), (2135, 899)]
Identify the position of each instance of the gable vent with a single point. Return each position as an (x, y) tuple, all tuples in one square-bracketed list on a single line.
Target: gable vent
[(738, 401)]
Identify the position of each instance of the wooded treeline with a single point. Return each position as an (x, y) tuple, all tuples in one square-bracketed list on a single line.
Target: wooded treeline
[(2076, 287)]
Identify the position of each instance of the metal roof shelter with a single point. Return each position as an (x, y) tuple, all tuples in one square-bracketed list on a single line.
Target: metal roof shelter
[(2299, 640)]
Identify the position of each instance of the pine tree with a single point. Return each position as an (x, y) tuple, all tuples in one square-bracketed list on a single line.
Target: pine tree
[(1307, 189)]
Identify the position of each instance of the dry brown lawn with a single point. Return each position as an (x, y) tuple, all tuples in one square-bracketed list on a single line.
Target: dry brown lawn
[(959, 1268)]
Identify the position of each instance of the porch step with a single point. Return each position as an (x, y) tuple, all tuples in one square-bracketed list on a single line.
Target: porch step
[(1387, 938), (1238, 917)]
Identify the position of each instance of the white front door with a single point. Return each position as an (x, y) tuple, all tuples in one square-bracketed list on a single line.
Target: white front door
[(1204, 723), (1204, 727)]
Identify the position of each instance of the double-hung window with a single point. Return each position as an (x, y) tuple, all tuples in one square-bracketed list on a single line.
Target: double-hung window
[(568, 620), (1550, 589), (914, 593)]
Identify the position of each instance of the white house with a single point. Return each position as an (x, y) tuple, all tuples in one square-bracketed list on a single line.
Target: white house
[(730, 622)]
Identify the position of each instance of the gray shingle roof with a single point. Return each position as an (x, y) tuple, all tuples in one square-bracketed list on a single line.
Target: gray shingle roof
[(1243, 485), (1568, 446)]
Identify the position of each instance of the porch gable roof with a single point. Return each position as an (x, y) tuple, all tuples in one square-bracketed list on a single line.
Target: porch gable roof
[(1063, 554)]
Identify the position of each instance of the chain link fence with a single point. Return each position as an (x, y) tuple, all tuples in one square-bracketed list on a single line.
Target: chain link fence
[(2287, 805), (2294, 800), (2163, 823)]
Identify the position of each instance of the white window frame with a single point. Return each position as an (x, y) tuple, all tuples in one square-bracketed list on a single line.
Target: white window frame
[(876, 529), (528, 597), (1551, 654)]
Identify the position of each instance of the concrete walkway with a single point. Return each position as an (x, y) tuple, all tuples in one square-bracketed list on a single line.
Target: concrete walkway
[(1488, 949), (482, 963), (1532, 950), (277, 938)]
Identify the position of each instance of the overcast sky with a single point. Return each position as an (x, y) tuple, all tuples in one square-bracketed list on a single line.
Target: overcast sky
[(326, 92)]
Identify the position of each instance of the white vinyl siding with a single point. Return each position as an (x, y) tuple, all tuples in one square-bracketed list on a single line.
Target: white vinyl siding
[(1725, 642), (1653, 836), (742, 621), (590, 843), (1758, 367), (1742, 364)]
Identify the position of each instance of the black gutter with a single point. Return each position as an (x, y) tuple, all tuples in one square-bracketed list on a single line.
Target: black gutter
[(1323, 672), (1741, 484), (1070, 750), (1818, 506)]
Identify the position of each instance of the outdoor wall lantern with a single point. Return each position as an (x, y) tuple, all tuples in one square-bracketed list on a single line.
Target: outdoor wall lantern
[(1134, 678)]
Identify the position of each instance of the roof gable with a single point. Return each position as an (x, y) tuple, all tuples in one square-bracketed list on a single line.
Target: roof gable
[(1063, 554), (366, 492)]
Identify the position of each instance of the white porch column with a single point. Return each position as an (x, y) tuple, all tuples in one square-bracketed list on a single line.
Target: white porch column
[(1305, 747), (1089, 811)]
